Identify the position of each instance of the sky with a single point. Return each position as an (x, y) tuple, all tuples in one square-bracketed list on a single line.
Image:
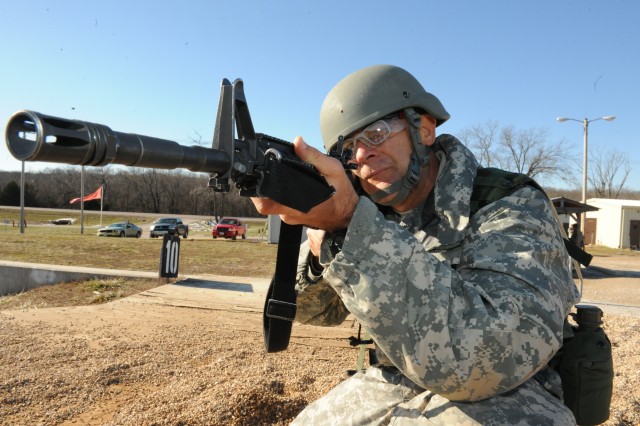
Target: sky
[(154, 67)]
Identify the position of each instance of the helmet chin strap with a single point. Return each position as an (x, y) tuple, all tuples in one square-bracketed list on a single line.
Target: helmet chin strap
[(419, 158), (401, 188)]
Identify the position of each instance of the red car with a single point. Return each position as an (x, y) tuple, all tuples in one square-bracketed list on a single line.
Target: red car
[(229, 227)]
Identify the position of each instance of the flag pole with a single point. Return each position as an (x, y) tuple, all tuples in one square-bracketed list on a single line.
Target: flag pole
[(101, 202), (82, 200)]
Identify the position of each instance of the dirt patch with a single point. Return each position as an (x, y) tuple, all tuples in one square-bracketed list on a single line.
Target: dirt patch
[(152, 363), (613, 279), (157, 365), (77, 293)]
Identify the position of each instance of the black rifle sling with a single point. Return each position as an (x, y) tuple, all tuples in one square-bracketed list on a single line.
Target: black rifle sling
[(280, 304)]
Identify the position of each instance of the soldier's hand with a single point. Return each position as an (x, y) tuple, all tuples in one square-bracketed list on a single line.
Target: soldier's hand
[(334, 213), (315, 237)]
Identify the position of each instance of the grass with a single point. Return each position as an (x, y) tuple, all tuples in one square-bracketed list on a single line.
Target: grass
[(64, 245), (197, 256), (42, 216)]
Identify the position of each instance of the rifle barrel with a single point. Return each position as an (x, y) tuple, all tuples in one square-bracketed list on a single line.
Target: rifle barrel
[(31, 136)]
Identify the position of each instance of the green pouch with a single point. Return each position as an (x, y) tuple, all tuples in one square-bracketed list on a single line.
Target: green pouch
[(586, 370)]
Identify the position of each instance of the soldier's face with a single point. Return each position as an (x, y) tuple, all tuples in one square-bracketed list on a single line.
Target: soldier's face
[(382, 165), (379, 166)]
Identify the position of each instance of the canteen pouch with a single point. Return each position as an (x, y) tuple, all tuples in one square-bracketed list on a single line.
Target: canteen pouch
[(586, 367)]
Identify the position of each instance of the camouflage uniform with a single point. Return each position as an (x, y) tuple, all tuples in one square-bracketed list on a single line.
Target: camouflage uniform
[(464, 311)]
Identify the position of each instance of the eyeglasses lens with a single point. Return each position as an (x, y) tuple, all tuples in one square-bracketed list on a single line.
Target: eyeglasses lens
[(374, 134)]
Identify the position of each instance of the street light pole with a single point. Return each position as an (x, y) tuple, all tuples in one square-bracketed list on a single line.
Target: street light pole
[(585, 125)]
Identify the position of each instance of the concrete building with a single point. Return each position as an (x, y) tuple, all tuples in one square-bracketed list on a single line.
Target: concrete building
[(616, 222)]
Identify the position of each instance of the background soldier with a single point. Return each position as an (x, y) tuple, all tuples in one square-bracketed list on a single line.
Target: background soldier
[(575, 236)]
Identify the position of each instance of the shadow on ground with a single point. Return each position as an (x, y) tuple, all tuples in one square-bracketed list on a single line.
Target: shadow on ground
[(216, 285), (596, 272)]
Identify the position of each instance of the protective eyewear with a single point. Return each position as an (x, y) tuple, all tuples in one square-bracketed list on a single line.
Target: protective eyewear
[(376, 133)]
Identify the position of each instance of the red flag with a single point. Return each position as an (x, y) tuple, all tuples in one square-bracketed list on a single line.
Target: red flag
[(95, 196)]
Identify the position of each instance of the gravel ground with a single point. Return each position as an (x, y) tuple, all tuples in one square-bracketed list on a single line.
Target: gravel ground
[(125, 363), (169, 372)]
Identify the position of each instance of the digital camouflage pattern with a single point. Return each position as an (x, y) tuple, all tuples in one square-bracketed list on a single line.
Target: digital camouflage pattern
[(461, 309)]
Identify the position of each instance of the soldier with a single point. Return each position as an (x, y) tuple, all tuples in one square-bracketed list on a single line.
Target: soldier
[(576, 236), (465, 311)]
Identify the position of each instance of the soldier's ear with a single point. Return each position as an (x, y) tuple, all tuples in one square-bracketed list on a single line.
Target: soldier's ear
[(427, 129)]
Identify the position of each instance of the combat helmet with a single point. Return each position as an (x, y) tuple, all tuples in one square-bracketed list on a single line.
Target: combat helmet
[(370, 94)]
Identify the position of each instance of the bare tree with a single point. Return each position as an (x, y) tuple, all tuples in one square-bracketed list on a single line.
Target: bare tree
[(135, 190), (175, 188), (124, 191), (198, 139), (525, 151), (608, 173), (152, 191), (481, 139)]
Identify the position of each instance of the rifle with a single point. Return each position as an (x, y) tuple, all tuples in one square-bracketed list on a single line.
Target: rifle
[(258, 164)]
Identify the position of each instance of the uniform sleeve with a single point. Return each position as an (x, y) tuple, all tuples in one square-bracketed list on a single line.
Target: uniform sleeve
[(470, 331), (318, 303)]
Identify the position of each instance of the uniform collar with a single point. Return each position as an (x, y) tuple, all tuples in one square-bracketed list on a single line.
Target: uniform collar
[(443, 217)]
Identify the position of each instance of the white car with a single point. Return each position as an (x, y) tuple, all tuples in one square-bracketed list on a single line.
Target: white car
[(120, 229)]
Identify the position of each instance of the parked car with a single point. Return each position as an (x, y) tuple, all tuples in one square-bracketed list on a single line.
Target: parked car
[(171, 225), (63, 221), (229, 227), (120, 229)]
